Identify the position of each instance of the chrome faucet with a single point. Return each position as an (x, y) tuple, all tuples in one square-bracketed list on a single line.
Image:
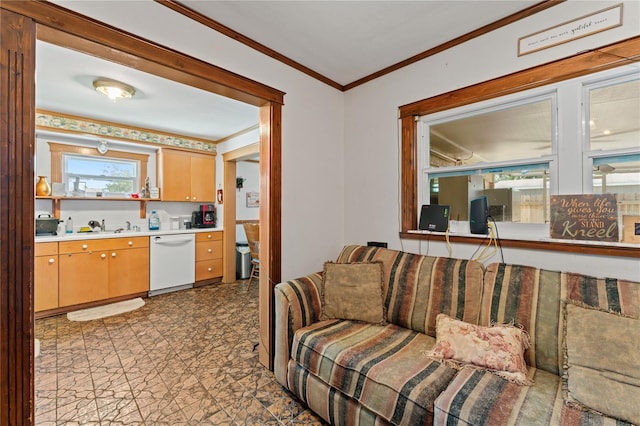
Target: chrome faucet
[(128, 225)]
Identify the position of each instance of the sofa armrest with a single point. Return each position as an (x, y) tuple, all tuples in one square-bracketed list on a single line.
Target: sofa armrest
[(297, 304)]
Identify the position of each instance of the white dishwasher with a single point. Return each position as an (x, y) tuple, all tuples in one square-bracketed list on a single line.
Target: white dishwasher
[(172, 260)]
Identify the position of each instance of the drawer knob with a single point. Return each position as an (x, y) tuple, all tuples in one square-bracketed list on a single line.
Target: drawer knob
[(113, 254), (51, 261), (187, 197), (210, 250), (209, 236), (209, 269), (130, 243), (103, 256), (84, 247), (195, 198)]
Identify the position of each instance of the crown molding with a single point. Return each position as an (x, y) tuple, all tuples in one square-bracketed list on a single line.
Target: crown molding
[(223, 29)]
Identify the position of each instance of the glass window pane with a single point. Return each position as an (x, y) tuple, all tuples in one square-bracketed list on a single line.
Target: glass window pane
[(511, 133), (94, 166), (110, 176), (514, 195), (611, 176), (614, 116)]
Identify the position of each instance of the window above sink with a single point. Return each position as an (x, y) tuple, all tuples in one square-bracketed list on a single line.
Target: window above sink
[(83, 175)]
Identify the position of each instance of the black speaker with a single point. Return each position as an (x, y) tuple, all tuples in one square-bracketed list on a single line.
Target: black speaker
[(479, 216), (376, 244)]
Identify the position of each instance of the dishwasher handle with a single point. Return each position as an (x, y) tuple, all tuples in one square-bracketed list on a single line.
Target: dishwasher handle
[(172, 242)]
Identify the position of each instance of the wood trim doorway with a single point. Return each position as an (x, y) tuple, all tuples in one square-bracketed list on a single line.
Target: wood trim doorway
[(229, 160), (22, 23)]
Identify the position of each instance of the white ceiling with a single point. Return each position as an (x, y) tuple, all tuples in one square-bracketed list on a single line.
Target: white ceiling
[(342, 40), (64, 83), (348, 40)]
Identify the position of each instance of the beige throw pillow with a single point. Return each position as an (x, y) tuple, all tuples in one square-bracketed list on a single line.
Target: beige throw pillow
[(499, 348), (602, 362), (353, 291)]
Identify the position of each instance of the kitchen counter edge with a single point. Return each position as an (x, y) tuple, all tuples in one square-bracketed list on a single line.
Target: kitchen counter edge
[(131, 234)]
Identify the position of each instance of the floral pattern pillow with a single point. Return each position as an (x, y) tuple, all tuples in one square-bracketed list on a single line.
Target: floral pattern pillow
[(499, 349)]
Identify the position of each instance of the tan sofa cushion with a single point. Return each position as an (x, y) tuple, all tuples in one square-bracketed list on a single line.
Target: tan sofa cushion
[(602, 358), (352, 291)]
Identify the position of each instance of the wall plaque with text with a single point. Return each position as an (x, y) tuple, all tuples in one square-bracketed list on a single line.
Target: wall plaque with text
[(584, 217)]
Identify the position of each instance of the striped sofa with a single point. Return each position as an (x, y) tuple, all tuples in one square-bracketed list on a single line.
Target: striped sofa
[(353, 373)]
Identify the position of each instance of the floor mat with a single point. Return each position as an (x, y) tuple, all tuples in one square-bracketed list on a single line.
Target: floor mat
[(106, 310)]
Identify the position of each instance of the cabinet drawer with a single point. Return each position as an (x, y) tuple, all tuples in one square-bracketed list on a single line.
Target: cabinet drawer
[(46, 249), (209, 250), (123, 243), (208, 236), (84, 246), (207, 269), (102, 244)]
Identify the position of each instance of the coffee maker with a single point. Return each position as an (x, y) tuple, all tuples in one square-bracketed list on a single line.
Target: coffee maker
[(204, 217)]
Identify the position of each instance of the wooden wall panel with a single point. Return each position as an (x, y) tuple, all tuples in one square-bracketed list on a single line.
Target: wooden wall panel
[(409, 195), (270, 224), (17, 135)]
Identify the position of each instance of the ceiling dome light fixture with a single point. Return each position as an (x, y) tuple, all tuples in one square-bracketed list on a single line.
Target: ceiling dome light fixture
[(113, 89)]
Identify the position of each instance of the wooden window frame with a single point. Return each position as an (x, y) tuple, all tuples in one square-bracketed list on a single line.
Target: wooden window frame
[(58, 150), (584, 63)]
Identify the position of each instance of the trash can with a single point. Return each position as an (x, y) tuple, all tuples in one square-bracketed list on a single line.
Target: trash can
[(243, 260)]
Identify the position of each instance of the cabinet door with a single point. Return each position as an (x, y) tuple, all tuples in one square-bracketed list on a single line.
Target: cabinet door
[(45, 276), (128, 271), (83, 277), (176, 175), (203, 178)]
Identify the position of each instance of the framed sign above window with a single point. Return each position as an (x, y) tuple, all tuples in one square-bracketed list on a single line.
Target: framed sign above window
[(596, 22)]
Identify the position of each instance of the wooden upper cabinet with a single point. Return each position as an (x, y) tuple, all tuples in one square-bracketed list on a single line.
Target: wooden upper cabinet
[(188, 176), (203, 178), (175, 176)]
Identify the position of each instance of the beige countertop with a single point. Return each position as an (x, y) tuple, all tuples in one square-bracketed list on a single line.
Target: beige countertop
[(125, 234)]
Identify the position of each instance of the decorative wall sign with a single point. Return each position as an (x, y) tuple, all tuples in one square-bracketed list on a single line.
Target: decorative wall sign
[(584, 217), (596, 22), (253, 199)]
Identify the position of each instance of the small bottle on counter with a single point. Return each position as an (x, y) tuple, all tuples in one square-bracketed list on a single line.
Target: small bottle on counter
[(69, 226), (154, 221)]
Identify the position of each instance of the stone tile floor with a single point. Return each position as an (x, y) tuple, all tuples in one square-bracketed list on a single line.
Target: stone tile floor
[(185, 358)]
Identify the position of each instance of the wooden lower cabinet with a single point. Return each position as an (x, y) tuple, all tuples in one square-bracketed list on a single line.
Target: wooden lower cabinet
[(128, 271), (94, 270), (45, 276), (208, 255), (83, 277)]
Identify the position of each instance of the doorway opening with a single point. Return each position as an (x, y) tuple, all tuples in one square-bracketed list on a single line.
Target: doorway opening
[(23, 23)]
